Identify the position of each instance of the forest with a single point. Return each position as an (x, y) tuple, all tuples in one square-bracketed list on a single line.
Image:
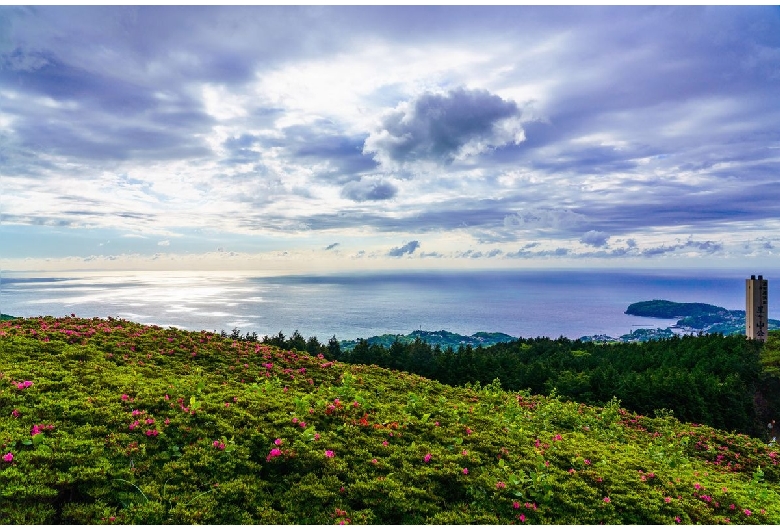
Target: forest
[(716, 380)]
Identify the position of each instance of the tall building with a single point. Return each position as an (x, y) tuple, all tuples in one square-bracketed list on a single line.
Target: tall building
[(757, 307)]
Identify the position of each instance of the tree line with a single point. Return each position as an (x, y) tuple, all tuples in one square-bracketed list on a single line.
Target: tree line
[(711, 379)]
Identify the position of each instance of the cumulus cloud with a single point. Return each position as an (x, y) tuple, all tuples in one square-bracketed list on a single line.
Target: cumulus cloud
[(594, 238), (408, 248), (369, 189), (490, 125), (445, 127), (558, 218), (164, 243), (559, 252), (708, 247)]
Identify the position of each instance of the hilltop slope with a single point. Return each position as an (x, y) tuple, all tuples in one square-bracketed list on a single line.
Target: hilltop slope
[(109, 421)]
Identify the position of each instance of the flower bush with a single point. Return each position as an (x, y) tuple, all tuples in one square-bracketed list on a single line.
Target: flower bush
[(124, 425)]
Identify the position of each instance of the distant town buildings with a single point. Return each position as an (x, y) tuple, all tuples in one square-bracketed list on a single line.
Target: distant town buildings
[(757, 307)]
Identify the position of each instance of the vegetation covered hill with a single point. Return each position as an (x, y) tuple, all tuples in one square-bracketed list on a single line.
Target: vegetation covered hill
[(443, 339), (107, 421), (705, 318), (708, 379)]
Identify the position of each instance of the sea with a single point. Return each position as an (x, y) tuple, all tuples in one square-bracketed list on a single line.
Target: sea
[(521, 303)]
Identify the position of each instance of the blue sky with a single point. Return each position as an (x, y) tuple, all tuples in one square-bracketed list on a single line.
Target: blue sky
[(339, 138)]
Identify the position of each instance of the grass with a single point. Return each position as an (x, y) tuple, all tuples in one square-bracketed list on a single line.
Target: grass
[(108, 421)]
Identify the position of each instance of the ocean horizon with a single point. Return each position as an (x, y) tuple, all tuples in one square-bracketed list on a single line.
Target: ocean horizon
[(524, 303)]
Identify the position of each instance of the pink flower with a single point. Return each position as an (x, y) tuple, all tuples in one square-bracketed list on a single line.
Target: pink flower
[(747, 512), (167, 421), (35, 430), (273, 454), (677, 520), (295, 420), (500, 485), (136, 412), (316, 436), (302, 424), (468, 431), (27, 384), (667, 500), (329, 453), (571, 471), (516, 505), (521, 517), (227, 405), (134, 425), (465, 471), (8, 457), (149, 421), (587, 462), (15, 413), (464, 453), (606, 500), (427, 458), (557, 437), (732, 507), (278, 441), (151, 432), (385, 443), (374, 461)]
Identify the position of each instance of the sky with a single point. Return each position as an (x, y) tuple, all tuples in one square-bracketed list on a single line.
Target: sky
[(319, 138)]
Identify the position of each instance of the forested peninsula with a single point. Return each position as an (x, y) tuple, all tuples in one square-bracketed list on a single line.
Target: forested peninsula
[(696, 317)]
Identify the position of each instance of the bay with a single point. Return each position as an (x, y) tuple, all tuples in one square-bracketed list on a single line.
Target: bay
[(525, 303)]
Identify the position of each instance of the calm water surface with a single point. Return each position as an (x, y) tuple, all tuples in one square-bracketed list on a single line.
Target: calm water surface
[(520, 303)]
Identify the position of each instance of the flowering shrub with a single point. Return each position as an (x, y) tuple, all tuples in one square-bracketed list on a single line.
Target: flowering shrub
[(87, 443)]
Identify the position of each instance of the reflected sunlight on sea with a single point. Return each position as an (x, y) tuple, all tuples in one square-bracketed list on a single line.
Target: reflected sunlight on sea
[(519, 303)]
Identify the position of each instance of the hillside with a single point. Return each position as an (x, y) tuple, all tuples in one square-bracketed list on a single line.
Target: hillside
[(107, 421), (443, 339), (696, 317)]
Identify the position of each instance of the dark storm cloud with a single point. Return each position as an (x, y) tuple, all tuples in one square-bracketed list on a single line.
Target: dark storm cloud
[(437, 127), (408, 248)]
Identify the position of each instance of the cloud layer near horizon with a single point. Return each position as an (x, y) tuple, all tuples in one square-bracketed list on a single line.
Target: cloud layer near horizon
[(440, 134)]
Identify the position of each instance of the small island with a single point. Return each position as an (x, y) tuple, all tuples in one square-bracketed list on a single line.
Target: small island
[(696, 317)]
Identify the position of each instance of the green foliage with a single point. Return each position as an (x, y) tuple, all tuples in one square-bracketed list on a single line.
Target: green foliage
[(129, 424), (667, 309), (705, 379)]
